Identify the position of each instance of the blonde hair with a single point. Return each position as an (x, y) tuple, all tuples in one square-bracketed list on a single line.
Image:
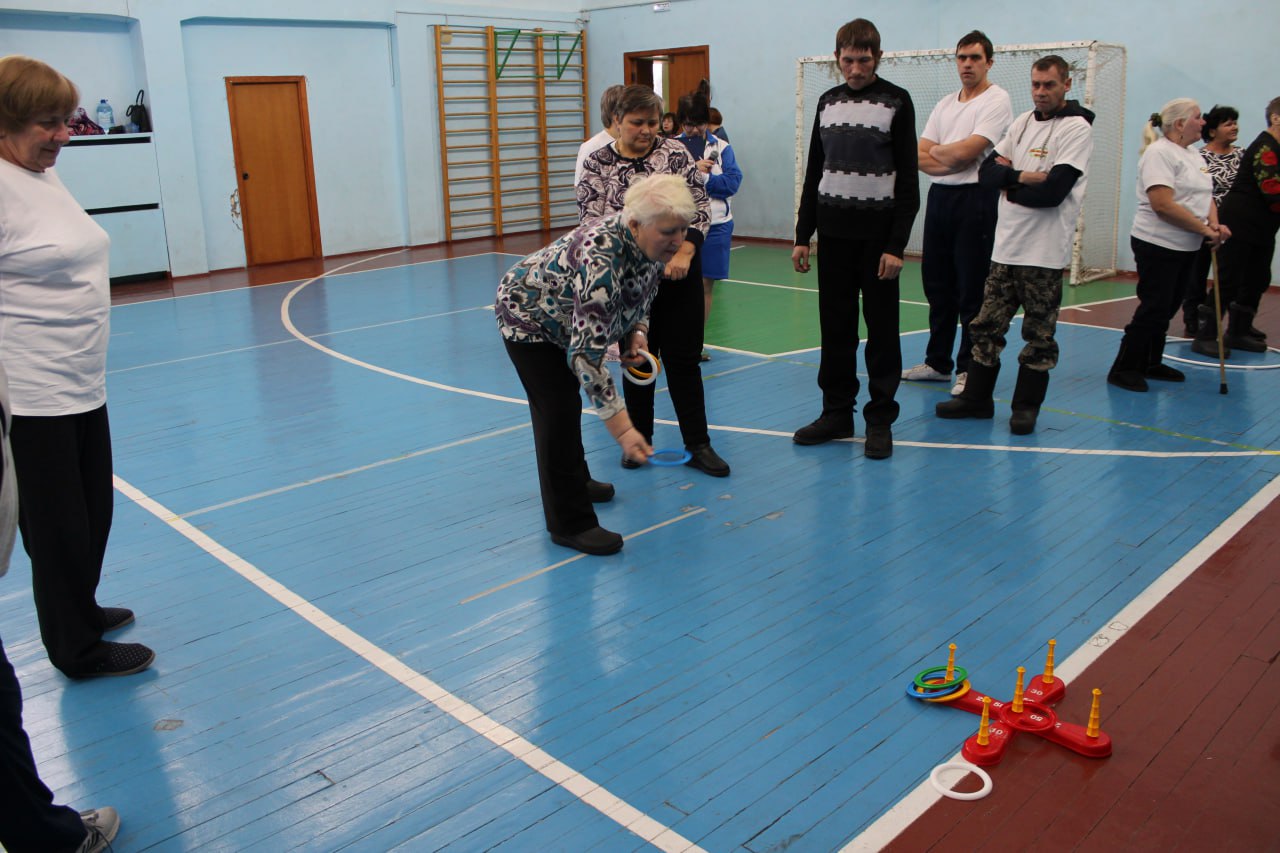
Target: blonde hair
[(30, 89), (657, 196), (1179, 109)]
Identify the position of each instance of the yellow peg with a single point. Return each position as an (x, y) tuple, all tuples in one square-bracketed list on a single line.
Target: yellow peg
[(951, 662), (1095, 715), (984, 727), (1017, 691), (1048, 664)]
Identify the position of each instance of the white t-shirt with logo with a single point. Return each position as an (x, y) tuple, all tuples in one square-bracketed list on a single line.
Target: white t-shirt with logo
[(1183, 170), (1042, 236), (55, 298), (952, 120)]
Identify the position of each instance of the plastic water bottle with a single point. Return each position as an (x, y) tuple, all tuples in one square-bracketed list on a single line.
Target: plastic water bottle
[(106, 116)]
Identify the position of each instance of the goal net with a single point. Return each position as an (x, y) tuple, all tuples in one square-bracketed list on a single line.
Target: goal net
[(1097, 81)]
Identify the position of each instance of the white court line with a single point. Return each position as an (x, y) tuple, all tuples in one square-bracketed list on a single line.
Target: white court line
[(690, 514), (347, 473), (812, 290), (890, 825), (587, 791), (1011, 448)]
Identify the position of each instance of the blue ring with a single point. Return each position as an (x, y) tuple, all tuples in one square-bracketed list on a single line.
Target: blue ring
[(932, 694), (673, 457)]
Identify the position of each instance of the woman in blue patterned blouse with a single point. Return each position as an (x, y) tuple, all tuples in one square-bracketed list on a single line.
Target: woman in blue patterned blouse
[(559, 309)]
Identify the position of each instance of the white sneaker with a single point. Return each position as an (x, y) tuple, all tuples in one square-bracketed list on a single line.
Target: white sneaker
[(958, 388), (613, 353), (924, 373), (101, 826)]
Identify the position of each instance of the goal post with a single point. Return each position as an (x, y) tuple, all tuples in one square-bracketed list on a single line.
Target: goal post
[(1097, 81)]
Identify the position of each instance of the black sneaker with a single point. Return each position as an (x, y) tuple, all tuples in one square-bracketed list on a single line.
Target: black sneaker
[(101, 825), (826, 428), (122, 659), (879, 443), (115, 618), (600, 493), (707, 461), (596, 541)]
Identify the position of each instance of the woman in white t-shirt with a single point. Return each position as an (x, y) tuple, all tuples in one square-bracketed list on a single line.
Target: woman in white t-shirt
[(55, 308), (1176, 214)]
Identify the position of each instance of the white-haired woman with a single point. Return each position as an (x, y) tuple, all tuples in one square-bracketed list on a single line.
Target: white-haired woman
[(559, 309), (1176, 214)]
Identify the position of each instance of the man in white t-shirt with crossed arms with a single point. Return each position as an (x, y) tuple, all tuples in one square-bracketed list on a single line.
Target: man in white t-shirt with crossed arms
[(960, 214), (1039, 167)]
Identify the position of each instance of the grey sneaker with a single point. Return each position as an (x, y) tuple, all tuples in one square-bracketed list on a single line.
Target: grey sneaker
[(101, 825), (958, 388), (924, 373)]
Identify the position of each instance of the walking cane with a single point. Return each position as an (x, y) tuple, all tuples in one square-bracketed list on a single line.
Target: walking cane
[(1217, 313)]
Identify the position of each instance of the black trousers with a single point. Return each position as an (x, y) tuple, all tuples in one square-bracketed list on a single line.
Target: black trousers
[(65, 501), (847, 268), (675, 337), (1245, 271), (1200, 287), (555, 404), (1164, 275), (29, 821), (959, 232)]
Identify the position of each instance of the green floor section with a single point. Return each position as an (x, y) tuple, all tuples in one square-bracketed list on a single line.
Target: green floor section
[(766, 307)]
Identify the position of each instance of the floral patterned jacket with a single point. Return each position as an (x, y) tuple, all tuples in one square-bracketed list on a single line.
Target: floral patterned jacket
[(1252, 208), (583, 292)]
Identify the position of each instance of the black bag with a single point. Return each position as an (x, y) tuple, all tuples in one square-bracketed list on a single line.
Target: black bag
[(137, 114)]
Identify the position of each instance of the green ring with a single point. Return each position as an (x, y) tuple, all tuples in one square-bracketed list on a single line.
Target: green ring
[(961, 675)]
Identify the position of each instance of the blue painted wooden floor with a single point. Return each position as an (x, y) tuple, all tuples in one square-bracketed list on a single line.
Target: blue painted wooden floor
[(736, 675)]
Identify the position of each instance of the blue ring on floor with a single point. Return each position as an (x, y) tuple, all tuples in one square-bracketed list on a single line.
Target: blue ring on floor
[(914, 692), (670, 458)]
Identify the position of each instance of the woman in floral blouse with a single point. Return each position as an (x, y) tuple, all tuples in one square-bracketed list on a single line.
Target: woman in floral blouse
[(675, 331), (1251, 209), (558, 310)]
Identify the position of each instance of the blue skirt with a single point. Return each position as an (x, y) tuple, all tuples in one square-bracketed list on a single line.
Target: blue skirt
[(715, 251)]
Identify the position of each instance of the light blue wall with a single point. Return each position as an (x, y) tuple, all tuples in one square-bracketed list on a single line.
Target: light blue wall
[(1221, 52), (370, 70), (377, 165)]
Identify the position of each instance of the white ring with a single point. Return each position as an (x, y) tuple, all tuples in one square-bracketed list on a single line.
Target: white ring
[(654, 368), (966, 767)]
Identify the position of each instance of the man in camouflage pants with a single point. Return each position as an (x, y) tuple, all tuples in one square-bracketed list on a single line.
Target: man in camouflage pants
[(1039, 167)]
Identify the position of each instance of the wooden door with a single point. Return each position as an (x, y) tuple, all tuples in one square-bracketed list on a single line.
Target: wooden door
[(686, 67), (271, 138)]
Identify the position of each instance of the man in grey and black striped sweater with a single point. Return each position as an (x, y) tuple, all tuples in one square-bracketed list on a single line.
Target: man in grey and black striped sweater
[(860, 195)]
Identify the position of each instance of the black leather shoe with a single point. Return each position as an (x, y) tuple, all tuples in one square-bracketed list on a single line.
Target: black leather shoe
[(116, 618), (600, 493), (630, 464), (827, 427), (122, 659), (707, 461), (879, 443), (596, 541)]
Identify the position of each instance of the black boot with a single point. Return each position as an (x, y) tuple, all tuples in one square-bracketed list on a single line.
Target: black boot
[(1206, 342), (1190, 319), (1157, 369), (1128, 369), (1028, 394), (1237, 335), (975, 400)]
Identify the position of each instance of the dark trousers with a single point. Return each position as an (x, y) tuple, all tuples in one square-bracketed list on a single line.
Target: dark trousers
[(63, 465), (29, 821), (675, 337), (1245, 271), (1164, 275), (555, 404), (1200, 287), (959, 231), (847, 268)]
